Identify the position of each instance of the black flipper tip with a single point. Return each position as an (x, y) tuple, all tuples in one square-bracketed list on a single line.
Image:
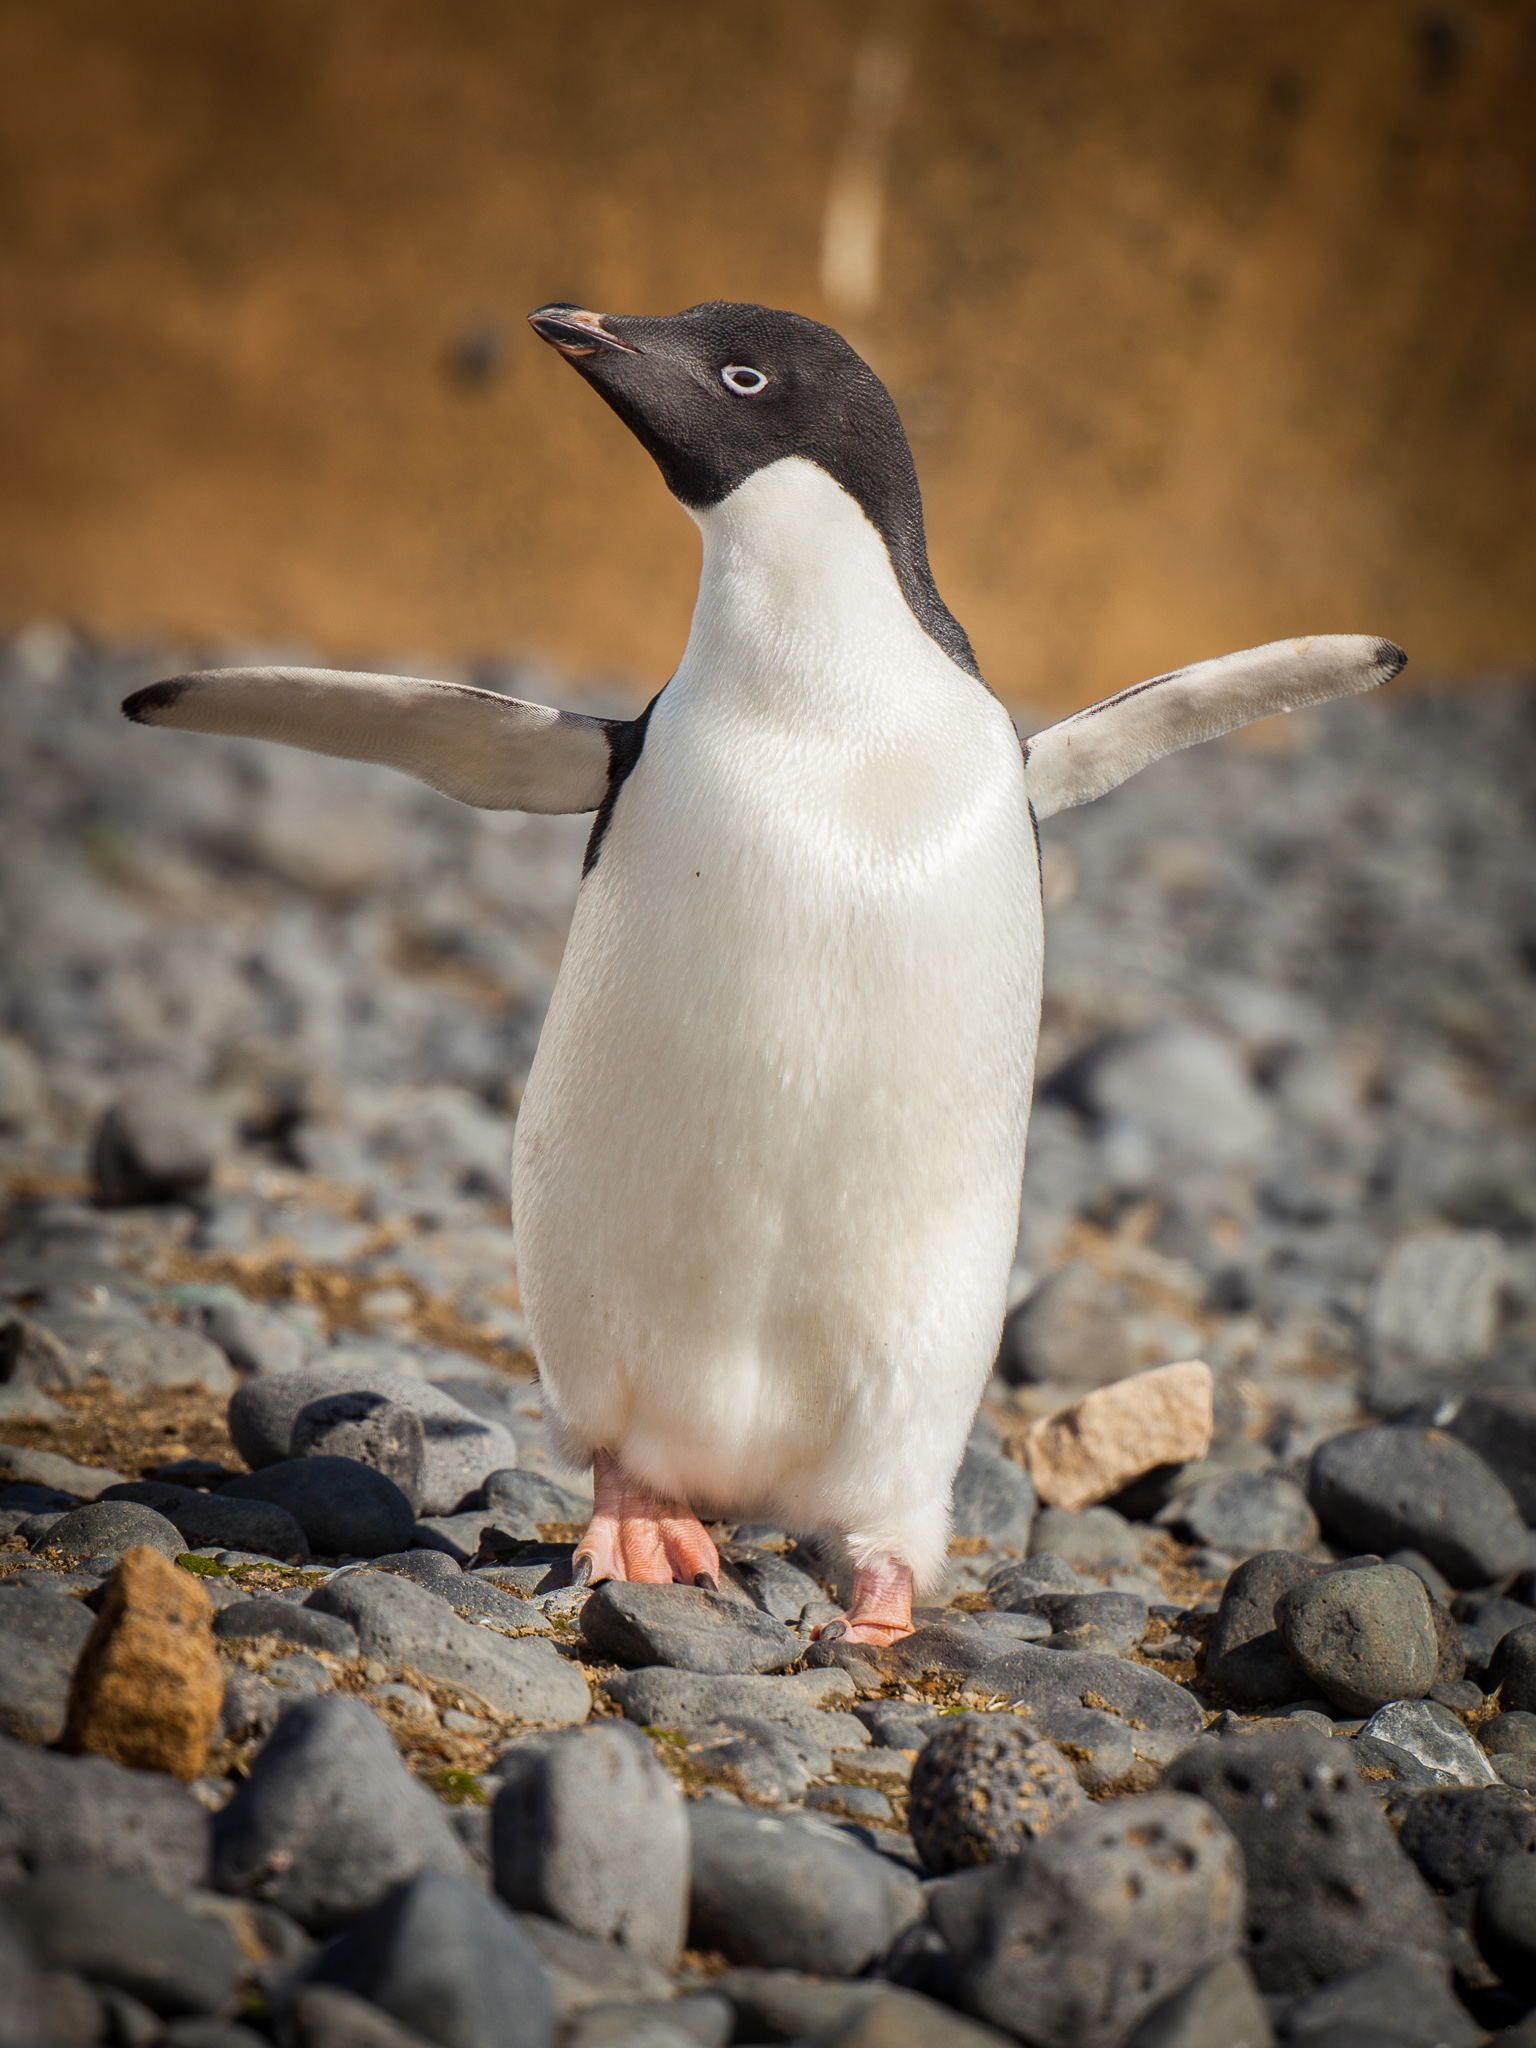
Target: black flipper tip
[(1391, 659), (142, 706)]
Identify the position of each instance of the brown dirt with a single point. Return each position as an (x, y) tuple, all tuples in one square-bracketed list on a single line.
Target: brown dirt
[(273, 1272), (1209, 324), (132, 1433)]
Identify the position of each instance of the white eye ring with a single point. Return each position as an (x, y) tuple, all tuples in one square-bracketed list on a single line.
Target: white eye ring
[(743, 380)]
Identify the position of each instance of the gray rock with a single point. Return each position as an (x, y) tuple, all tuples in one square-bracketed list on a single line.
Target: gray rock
[(42, 1632), (463, 1538), (461, 1449), (993, 1498), (60, 1813), (776, 1586), (434, 1569), (155, 1145), (1248, 1513), (1107, 1623), (1031, 1675), (1436, 1301), (1512, 1669), (1042, 1572), (211, 1520), (688, 1628), (106, 1528), (1097, 1539), (210, 2033), (22, 2023), (853, 1802), (1329, 1889), (1492, 1615), (766, 1736), (1070, 1331), (324, 2016), (1097, 1923), (1407, 1997), (253, 1339), (250, 1708), (1456, 1835), (532, 1495), (1509, 1734), (123, 1346), (1435, 1583), (302, 1674), (583, 1973), (385, 1434), (1099, 1746), (983, 1787), (247, 1620), (591, 1832), (1186, 1089), (122, 1933), (401, 1623), (1221, 2008), (48, 1468), (330, 1820), (702, 2021), (783, 2005), (477, 1600), (1363, 1637), (897, 1724), (1246, 1660), (1499, 1424), (25, 1499), (1505, 1922), (1433, 1737), (448, 1963), (1401, 1486), (345, 1509), (539, 1568), (1022, 1628), (790, 1891), (1386, 1768)]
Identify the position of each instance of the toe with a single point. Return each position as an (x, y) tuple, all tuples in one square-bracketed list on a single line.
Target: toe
[(692, 1558), (599, 1554)]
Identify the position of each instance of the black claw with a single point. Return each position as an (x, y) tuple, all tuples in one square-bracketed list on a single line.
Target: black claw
[(707, 1580), (831, 1631), (581, 1572)]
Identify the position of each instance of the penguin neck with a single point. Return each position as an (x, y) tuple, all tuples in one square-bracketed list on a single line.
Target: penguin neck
[(800, 615)]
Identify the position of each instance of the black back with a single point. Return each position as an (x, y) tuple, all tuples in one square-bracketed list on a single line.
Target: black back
[(819, 400)]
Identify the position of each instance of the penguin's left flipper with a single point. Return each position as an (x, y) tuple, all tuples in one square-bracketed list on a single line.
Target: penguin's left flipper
[(484, 749), (1096, 749)]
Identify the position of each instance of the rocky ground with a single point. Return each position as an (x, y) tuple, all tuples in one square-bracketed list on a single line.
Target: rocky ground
[(308, 1736)]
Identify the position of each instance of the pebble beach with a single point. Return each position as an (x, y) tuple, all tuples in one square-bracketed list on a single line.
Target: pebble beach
[(1221, 1728)]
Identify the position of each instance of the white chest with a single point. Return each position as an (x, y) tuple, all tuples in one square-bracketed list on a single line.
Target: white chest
[(770, 1151)]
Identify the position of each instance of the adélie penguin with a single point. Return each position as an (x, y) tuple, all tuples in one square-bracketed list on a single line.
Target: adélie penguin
[(767, 1166)]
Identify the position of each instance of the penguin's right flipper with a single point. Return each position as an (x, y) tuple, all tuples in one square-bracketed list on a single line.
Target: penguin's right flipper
[(495, 752), (1096, 749)]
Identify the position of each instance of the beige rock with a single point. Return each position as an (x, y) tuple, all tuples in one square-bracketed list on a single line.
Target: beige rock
[(148, 1686), (1085, 1453)]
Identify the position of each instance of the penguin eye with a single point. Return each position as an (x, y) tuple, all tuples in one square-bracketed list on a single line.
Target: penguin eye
[(743, 379)]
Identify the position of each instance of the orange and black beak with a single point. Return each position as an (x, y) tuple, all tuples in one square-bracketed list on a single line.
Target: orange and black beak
[(575, 331)]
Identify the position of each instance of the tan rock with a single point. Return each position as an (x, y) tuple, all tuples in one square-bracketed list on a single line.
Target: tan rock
[(1084, 1453), (148, 1686)]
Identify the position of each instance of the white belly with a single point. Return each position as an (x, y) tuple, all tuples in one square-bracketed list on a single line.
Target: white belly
[(767, 1166)]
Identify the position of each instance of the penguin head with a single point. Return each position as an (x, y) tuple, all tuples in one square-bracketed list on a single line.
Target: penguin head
[(721, 391)]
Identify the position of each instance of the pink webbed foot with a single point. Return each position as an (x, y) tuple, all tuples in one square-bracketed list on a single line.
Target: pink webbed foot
[(882, 1608), (633, 1535)]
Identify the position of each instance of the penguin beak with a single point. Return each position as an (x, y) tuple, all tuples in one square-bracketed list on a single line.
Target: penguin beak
[(575, 331)]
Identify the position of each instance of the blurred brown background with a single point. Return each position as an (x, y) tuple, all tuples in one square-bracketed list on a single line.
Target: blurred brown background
[(1209, 322)]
